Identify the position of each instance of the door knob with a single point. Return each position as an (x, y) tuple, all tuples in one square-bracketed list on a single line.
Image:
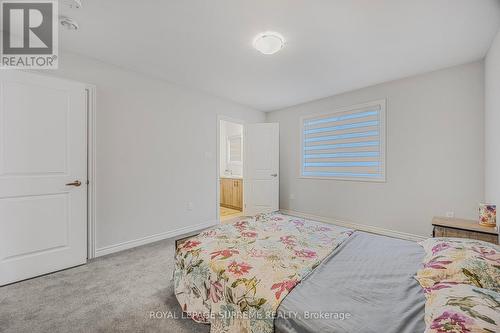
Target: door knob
[(75, 183), (274, 175)]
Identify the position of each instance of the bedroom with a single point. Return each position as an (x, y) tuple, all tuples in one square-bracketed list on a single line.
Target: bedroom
[(371, 126)]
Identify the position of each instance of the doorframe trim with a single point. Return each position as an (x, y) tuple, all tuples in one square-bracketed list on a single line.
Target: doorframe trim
[(91, 170), (217, 162)]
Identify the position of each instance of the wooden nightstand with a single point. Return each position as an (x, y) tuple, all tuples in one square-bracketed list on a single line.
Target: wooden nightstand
[(452, 227)]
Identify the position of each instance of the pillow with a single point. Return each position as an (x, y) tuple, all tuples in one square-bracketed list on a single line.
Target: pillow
[(461, 261), (462, 308)]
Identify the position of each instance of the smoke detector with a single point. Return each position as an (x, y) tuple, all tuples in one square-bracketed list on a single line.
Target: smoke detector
[(73, 3), (68, 23)]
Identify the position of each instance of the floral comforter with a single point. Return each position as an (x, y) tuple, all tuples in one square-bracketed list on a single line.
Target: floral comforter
[(235, 276), (461, 280)]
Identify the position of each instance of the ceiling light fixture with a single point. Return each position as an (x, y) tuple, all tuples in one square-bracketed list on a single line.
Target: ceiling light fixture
[(269, 42)]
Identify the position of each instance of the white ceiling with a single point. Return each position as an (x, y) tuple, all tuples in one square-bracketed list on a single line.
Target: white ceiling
[(332, 46)]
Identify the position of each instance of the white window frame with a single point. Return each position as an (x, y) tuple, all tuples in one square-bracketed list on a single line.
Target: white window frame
[(382, 103), (228, 149)]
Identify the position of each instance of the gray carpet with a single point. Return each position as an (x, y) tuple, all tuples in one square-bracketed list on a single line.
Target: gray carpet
[(115, 293)]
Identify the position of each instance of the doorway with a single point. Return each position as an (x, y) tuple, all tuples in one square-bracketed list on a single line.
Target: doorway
[(247, 169), (230, 170)]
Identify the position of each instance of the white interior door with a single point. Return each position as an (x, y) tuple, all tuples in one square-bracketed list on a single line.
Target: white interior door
[(261, 168), (43, 135)]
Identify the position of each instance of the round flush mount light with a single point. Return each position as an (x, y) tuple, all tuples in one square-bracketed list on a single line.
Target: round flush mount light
[(68, 23), (269, 42)]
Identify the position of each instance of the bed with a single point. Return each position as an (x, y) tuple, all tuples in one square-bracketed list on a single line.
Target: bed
[(358, 282), (234, 276), (379, 295)]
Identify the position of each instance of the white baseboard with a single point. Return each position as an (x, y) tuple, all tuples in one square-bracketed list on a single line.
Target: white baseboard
[(356, 226), (150, 239)]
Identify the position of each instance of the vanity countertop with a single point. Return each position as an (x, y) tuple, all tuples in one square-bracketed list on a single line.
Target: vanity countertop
[(231, 177)]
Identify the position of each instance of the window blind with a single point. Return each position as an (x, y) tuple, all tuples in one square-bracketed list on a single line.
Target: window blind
[(347, 144)]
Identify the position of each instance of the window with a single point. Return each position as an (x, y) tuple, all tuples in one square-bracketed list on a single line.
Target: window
[(348, 144), (234, 153)]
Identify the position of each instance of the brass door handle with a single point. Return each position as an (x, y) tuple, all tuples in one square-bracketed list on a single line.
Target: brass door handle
[(75, 183)]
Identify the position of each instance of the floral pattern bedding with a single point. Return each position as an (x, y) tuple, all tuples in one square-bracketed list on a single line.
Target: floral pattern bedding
[(460, 260), (462, 308), (234, 276), (461, 280)]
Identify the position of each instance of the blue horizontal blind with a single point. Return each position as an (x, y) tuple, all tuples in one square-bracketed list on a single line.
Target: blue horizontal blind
[(348, 144)]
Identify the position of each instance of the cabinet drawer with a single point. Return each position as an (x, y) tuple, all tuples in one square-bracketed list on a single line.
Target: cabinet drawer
[(459, 233)]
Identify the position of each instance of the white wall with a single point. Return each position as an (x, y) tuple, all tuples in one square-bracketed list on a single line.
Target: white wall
[(156, 151), (435, 156), (492, 119), (227, 130)]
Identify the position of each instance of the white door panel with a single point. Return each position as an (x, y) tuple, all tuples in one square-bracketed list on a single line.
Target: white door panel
[(34, 141), (24, 210), (261, 159), (43, 222)]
